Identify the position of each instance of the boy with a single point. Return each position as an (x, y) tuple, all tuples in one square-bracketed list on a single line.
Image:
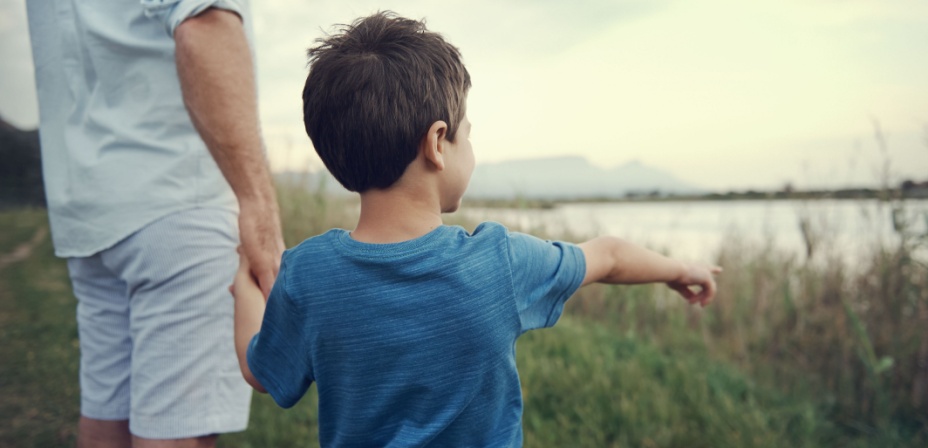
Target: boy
[(408, 326)]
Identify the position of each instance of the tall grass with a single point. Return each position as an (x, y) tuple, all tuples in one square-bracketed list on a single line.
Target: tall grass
[(794, 351), (307, 209), (39, 390), (853, 337)]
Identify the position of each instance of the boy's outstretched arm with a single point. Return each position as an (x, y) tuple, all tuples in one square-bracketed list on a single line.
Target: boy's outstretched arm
[(613, 260), (249, 312)]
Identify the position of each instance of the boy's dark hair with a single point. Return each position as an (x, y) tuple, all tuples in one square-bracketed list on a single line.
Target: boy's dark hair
[(372, 93)]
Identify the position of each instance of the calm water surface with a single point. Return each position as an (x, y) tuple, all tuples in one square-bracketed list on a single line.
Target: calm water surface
[(697, 229)]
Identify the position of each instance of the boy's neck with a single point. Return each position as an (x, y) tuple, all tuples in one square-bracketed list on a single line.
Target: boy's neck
[(396, 214)]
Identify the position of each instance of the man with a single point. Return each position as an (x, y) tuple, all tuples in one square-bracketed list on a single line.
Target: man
[(142, 200)]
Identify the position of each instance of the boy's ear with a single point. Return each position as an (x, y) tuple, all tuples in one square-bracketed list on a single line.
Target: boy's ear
[(433, 144)]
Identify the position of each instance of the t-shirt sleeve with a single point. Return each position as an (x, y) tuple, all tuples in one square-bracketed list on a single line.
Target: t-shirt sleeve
[(172, 13), (278, 355), (544, 275)]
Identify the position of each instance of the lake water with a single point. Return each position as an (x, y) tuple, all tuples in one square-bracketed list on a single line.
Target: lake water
[(697, 229)]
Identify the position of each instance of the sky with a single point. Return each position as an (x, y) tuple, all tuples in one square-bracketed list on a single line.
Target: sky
[(724, 94)]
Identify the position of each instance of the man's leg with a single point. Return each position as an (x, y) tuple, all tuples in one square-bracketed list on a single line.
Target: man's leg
[(186, 384), (103, 329), (92, 433)]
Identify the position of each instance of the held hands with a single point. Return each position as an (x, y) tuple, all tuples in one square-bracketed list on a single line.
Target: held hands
[(249, 313), (244, 286), (697, 283), (262, 243)]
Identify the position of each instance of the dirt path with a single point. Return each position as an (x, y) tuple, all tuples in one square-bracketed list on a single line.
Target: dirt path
[(23, 251)]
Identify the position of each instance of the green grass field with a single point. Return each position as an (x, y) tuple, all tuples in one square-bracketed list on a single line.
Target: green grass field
[(789, 355)]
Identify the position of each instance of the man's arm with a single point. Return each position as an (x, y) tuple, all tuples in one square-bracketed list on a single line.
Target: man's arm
[(217, 79), (249, 312), (613, 260)]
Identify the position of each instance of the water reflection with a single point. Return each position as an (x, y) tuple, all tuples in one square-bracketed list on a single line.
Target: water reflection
[(697, 229)]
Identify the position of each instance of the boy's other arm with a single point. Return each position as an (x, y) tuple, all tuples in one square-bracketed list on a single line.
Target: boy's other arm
[(249, 311), (616, 261)]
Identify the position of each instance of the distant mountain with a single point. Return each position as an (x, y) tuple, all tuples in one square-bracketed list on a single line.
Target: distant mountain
[(21, 167), (545, 178), (570, 178)]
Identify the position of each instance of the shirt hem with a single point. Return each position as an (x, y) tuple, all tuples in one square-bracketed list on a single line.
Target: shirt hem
[(78, 253)]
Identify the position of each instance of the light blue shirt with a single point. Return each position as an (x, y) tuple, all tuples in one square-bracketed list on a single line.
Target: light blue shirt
[(412, 343), (119, 150)]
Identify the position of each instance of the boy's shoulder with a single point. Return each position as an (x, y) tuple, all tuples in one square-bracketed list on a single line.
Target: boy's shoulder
[(490, 227), (446, 239), (314, 242), (312, 249), (339, 241), (485, 236)]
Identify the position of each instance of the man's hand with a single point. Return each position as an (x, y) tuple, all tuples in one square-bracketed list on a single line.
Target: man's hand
[(262, 243), (697, 284)]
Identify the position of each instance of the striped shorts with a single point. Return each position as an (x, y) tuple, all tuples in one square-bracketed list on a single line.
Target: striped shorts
[(155, 324)]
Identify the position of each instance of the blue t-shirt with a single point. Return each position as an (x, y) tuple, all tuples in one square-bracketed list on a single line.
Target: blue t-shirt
[(411, 343)]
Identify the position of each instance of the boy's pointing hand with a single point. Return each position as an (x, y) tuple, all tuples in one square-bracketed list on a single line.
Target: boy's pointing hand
[(697, 283)]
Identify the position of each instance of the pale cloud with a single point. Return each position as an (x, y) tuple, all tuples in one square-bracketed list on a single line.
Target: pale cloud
[(703, 85), (837, 13)]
